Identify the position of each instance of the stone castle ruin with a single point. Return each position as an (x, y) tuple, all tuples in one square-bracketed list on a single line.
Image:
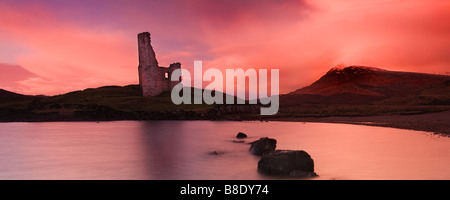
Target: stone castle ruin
[(153, 78)]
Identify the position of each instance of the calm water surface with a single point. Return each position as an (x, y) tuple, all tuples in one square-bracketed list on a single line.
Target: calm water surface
[(181, 150)]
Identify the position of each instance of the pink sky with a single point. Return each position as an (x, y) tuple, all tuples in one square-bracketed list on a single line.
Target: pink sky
[(53, 47)]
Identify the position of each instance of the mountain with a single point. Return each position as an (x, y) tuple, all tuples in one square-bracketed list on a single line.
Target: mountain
[(370, 81), (363, 85)]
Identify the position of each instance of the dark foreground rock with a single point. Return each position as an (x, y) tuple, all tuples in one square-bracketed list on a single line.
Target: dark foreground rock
[(287, 163), (241, 135), (263, 145)]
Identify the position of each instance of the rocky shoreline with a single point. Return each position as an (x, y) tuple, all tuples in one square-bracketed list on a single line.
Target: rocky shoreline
[(437, 122)]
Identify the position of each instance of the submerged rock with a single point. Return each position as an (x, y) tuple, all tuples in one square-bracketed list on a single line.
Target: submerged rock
[(215, 153), (287, 163), (241, 135), (263, 145)]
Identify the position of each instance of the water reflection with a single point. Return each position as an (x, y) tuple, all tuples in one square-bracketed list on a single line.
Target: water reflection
[(181, 150), (163, 148)]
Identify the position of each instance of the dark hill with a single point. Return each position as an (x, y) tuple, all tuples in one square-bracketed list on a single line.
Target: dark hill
[(361, 85), (6, 96), (359, 90), (111, 103), (13, 100)]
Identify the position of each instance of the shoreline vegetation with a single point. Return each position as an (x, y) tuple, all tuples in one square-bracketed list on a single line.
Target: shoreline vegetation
[(115, 103)]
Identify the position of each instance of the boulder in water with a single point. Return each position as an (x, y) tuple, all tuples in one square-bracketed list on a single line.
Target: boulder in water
[(287, 163), (241, 135), (263, 145)]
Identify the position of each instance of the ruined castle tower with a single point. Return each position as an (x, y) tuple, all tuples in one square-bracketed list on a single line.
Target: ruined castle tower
[(153, 79)]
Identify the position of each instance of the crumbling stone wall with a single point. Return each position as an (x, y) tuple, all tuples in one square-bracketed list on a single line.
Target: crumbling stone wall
[(153, 78)]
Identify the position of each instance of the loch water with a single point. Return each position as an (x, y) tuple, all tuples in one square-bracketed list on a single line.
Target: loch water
[(177, 150)]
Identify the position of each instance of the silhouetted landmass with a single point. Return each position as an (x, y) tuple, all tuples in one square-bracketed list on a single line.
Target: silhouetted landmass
[(7, 97), (362, 91), (111, 103), (352, 92)]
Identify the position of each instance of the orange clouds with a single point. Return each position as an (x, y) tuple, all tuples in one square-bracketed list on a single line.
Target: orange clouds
[(63, 53), (396, 35), (90, 44)]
